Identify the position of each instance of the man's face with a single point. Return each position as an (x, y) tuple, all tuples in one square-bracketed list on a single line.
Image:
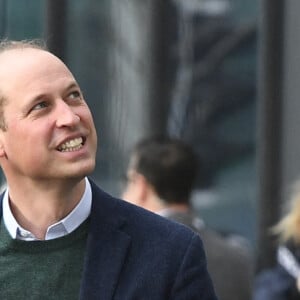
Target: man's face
[(50, 132)]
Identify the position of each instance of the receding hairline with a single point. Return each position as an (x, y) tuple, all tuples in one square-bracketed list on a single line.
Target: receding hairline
[(6, 45)]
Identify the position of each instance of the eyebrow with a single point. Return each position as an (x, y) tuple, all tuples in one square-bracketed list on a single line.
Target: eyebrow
[(38, 97), (72, 85)]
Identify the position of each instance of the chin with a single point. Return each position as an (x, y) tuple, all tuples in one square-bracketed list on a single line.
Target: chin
[(86, 170), (80, 171)]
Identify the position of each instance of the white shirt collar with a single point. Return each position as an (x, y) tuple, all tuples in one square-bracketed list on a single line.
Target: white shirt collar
[(65, 226)]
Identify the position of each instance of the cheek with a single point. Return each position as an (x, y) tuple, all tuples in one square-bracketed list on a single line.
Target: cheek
[(16, 135), (84, 113), (24, 138), (87, 121)]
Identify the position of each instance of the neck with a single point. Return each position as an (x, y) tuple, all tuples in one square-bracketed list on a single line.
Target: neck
[(156, 204), (37, 207), (161, 205), (178, 207)]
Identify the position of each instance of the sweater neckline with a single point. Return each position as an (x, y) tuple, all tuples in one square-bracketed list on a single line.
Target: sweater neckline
[(7, 242)]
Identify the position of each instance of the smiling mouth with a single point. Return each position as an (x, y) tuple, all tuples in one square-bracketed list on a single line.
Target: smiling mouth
[(72, 145)]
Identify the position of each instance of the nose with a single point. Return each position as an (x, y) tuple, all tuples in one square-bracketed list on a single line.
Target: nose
[(65, 115)]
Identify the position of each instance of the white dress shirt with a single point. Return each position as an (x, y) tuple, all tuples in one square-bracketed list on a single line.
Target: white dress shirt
[(65, 226)]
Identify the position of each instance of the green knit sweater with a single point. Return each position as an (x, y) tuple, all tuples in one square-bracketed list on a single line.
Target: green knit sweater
[(44, 270)]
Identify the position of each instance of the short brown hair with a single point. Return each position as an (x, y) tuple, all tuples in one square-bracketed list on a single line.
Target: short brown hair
[(169, 165)]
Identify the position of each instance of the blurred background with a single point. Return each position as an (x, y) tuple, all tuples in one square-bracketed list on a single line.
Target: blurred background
[(220, 74)]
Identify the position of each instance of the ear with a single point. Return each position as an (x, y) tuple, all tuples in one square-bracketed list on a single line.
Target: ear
[(142, 187), (147, 198)]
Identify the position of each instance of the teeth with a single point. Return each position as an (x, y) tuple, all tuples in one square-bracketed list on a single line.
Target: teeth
[(71, 145)]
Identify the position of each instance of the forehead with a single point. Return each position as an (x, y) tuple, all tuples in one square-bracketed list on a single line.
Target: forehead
[(17, 60), (29, 67)]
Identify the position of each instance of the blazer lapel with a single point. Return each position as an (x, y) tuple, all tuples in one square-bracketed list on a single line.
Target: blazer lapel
[(106, 250)]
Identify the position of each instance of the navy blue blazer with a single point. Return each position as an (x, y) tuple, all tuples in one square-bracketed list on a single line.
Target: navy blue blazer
[(134, 254)]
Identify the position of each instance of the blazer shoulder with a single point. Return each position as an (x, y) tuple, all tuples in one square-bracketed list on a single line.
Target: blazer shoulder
[(140, 219), (137, 221)]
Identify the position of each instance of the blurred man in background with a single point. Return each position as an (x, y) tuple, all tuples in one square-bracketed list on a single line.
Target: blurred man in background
[(160, 178)]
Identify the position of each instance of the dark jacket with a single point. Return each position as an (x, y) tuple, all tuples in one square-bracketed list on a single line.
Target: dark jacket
[(277, 283), (229, 260), (134, 254)]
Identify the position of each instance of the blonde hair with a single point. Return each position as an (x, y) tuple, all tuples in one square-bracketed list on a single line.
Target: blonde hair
[(289, 226)]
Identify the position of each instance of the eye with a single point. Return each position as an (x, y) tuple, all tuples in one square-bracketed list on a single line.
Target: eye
[(39, 106), (74, 95)]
